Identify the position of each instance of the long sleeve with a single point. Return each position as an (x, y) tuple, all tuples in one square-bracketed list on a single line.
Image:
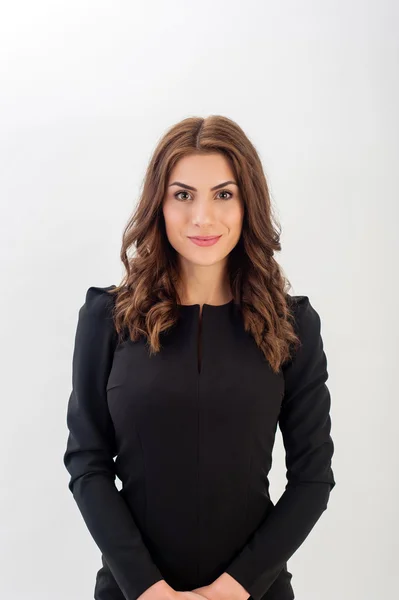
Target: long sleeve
[(305, 425), (91, 447)]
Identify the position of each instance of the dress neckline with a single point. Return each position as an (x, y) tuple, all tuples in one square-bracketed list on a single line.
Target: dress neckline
[(207, 306)]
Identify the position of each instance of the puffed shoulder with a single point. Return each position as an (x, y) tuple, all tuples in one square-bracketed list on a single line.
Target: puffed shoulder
[(98, 305), (307, 319), (96, 316), (98, 302), (307, 326)]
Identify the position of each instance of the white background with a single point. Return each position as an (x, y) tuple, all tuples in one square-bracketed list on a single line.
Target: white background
[(87, 90)]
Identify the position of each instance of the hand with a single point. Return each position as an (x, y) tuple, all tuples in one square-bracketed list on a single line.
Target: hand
[(193, 595), (160, 590), (163, 591), (224, 587), (206, 591)]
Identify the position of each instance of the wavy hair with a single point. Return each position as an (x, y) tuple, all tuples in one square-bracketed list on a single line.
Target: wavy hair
[(147, 297)]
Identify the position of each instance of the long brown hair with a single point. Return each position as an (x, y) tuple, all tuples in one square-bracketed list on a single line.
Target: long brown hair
[(147, 297)]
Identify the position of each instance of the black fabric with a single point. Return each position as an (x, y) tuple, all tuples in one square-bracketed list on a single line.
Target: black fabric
[(193, 450)]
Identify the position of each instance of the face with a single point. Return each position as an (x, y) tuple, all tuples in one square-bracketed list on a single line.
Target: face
[(202, 199)]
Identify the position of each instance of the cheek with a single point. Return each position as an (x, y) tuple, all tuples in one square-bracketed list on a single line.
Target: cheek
[(233, 219), (174, 220)]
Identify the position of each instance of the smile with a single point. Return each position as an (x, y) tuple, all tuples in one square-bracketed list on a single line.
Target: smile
[(205, 241)]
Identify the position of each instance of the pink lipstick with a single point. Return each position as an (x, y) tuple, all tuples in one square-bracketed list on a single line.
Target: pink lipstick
[(205, 240)]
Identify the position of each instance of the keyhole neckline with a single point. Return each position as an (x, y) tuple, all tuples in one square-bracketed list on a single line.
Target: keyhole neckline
[(207, 306)]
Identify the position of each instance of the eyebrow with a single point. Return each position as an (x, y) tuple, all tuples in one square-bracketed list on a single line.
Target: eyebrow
[(189, 187)]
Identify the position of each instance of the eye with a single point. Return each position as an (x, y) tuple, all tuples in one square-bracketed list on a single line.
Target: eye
[(226, 192), (221, 192), (178, 194)]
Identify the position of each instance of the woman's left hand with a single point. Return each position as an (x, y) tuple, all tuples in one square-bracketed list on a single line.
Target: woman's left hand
[(207, 592), (224, 587)]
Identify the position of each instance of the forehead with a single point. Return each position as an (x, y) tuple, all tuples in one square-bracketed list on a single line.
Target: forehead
[(202, 169)]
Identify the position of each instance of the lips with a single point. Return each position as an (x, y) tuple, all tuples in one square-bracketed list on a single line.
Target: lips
[(203, 237), (205, 240)]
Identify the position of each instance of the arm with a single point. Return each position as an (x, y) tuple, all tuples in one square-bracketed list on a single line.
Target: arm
[(91, 447), (305, 425)]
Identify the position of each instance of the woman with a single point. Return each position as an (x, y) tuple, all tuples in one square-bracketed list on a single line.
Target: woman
[(183, 372)]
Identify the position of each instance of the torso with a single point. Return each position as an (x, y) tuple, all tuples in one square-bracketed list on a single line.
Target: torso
[(195, 427)]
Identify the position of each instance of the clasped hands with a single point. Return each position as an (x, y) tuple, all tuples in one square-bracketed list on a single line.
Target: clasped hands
[(224, 587)]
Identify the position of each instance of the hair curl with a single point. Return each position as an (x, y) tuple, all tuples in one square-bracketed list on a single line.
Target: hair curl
[(147, 297)]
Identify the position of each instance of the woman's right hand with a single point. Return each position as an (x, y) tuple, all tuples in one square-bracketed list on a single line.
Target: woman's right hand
[(160, 590), (163, 591), (188, 596)]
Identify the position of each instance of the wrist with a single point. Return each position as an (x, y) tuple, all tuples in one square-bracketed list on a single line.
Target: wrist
[(166, 591), (160, 590), (228, 588)]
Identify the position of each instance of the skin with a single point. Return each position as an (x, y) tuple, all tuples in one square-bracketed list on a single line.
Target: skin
[(204, 275), (223, 588), (203, 212)]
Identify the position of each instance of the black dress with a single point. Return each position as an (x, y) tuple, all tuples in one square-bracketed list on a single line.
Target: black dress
[(193, 447)]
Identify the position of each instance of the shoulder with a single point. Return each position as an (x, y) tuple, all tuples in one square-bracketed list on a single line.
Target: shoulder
[(99, 300), (307, 327), (96, 328), (97, 309), (306, 318)]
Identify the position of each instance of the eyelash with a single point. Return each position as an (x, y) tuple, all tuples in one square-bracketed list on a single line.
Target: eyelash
[(220, 192)]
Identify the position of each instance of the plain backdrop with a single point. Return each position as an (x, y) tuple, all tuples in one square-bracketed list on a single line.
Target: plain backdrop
[(87, 90)]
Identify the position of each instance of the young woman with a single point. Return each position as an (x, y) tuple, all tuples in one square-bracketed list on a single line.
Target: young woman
[(182, 374)]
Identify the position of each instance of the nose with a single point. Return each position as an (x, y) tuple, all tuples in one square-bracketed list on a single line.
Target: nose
[(202, 211)]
